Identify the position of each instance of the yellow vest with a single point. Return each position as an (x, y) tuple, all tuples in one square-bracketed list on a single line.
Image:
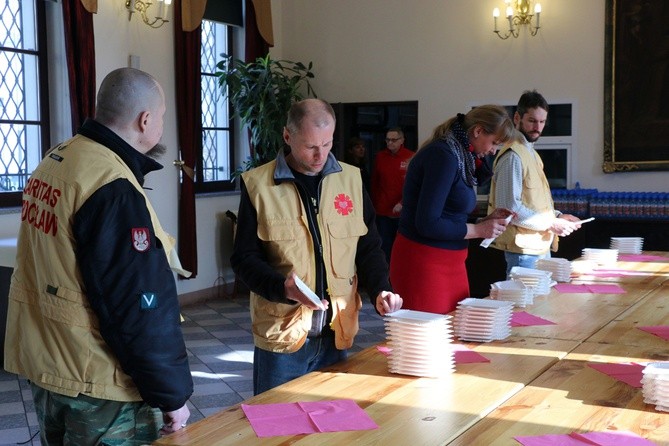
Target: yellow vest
[(53, 336), (283, 229), (536, 195)]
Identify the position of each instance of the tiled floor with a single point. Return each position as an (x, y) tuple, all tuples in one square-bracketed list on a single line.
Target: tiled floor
[(220, 347)]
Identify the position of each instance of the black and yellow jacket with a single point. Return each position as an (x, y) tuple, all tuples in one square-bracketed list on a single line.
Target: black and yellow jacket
[(328, 249), (93, 305)]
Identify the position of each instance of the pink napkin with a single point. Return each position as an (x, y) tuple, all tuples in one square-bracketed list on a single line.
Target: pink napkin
[(641, 258), (525, 319), (658, 330), (383, 349), (608, 438), (269, 420), (594, 288), (461, 354), (629, 373)]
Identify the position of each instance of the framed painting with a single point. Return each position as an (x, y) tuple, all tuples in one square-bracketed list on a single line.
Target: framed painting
[(636, 82)]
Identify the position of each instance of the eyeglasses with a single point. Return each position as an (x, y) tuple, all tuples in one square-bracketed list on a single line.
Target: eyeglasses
[(392, 139)]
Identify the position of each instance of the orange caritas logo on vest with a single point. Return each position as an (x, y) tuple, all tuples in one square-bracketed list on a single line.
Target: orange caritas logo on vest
[(343, 204), (140, 239)]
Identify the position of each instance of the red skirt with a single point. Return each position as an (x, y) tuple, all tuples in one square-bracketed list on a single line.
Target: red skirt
[(428, 278)]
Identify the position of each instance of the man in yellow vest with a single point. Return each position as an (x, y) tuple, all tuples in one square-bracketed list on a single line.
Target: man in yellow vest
[(305, 220), (93, 318), (520, 185)]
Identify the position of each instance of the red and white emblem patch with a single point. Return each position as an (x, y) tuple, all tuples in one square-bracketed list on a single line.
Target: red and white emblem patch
[(140, 239), (343, 204)]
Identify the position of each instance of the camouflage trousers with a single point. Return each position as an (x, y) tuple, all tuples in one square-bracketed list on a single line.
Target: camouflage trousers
[(84, 421)]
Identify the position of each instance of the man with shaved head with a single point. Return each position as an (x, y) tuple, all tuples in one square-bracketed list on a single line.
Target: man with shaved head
[(93, 318), (306, 220)]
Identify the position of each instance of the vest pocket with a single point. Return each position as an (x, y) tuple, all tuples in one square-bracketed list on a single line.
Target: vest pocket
[(281, 326), (285, 240), (66, 306), (344, 237)]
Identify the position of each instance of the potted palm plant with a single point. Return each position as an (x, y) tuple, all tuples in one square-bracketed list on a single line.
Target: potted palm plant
[(260, 93)]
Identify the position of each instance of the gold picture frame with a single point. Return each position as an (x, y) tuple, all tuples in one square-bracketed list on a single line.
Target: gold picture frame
[(636, 86)]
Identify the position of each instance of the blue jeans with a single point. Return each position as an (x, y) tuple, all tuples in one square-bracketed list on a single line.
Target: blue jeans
[(273, 369), (387, 227), (523, 260)]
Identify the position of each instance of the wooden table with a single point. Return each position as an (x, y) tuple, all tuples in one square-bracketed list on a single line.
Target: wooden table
[(571, 396), (411, 410), (537, 381), (648, 274), (653, 309), (578, 315)]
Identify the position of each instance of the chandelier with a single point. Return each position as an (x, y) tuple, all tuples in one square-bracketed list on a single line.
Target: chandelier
[(142, 7), (518, 14)]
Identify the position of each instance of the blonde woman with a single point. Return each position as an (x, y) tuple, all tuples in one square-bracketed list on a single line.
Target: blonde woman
[(427, 266)]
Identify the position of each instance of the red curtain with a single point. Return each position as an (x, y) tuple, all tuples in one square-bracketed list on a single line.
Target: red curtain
[(189, 125), (80, 51), (256, 46)]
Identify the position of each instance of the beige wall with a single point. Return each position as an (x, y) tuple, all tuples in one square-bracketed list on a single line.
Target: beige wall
[(444, 54), (440, 52)]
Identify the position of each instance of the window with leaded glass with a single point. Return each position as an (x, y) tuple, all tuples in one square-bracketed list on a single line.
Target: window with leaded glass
[(23, 105), (216, 161)]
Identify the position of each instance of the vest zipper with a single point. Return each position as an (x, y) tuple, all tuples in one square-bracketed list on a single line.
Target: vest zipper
[(319, 316)]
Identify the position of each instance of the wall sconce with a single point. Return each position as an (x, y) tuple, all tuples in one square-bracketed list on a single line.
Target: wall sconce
[(142, 7), (517, 13)]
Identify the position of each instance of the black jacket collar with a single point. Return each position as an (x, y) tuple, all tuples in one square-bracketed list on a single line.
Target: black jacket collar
[(139, 164)]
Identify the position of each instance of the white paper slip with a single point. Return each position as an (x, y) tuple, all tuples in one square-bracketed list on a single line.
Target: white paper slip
[(486, 242), (307, 292)]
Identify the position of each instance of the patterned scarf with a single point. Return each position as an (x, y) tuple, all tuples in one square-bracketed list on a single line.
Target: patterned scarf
[(458, 143)]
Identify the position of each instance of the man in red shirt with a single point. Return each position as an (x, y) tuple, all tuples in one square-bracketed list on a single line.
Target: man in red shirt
[(390, 168)]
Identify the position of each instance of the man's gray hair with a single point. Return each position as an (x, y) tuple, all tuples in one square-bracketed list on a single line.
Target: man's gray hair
[(124, 94), (318, 112)]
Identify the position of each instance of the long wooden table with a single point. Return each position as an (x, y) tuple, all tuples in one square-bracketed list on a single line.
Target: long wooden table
[(410, 410), (537, 381), (649, 273), (571, 396), (577, 316), (653, 309)]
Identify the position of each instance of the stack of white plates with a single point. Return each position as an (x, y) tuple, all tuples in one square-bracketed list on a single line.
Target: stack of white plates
[(540, 281), (602, 257), (655, 385), (483, 320), (627, 245), (512, 291), (560, 268), (580, 266), (420, 343)]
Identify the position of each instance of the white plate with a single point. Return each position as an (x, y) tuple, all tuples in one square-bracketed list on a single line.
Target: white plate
[(472, 302), (420, 371), (416, 316), (418, 329), (307, 292)]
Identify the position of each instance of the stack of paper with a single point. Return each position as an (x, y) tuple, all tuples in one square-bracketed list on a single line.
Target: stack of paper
[(655, 385), (602, 257), (627, 245), (560, 268), (540, 281), (512, 291), (483, 320), (419, 343)]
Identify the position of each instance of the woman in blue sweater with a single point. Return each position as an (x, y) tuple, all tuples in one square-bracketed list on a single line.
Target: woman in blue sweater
[(427, 266)]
